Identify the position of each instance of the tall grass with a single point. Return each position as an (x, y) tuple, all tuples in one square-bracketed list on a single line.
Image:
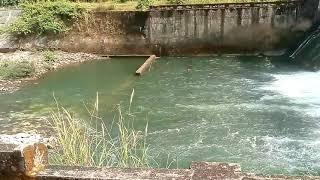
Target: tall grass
[(116, 144)]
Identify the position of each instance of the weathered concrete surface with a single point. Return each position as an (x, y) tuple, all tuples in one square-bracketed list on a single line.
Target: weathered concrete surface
[(55, 172), (241, 27), (11, 161), (29, 162), (7, 16), (22, 138), (22, 161), (197, 171)]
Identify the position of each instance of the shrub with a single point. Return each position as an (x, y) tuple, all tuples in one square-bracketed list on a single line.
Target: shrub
[(102, 7), (16, 70), (176, 1), (45, 17), (143, 4), (49, 56), (4, 3)]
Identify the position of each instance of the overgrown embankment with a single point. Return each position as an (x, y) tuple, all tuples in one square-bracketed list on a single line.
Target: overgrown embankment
[(46, 30), (38, 19), (45, 18), (70, 27)]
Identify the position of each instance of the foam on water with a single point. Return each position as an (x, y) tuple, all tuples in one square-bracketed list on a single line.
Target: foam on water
[(303, 86), (299, 87), (303, 89)]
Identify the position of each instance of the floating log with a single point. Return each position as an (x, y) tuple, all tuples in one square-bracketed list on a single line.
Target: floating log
[(146, 65), (126, 55)]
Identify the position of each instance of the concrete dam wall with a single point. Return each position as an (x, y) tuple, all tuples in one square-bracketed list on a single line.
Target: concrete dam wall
[(244, 27), (183, 29)]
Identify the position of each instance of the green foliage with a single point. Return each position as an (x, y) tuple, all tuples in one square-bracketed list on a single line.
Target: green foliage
[(143, 4), (102, 7), (49, 59), (49, 56), (4, 3), (46, 17), (16, 70), (177, 1), (111, 7)]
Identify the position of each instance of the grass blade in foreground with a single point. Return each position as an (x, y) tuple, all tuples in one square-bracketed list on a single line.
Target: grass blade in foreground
[(82, 145)]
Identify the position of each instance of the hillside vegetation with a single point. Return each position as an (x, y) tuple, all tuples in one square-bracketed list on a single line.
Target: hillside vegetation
[(128, 4)]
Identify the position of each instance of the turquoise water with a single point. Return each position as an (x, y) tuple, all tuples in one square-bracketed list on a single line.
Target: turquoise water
[(256, 111)]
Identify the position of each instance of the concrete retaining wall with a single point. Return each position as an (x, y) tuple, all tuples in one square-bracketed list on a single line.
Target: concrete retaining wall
[(244, 27)]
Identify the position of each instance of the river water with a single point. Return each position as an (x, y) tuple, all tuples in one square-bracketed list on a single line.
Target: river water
[(260, 112)]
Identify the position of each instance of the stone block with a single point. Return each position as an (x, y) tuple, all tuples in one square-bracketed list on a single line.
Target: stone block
[(22, 160)]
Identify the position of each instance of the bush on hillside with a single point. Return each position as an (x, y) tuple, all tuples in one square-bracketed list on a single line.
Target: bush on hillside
[(49, 56), (46, 17), (176, 1), (5, 3), (16, 70), (143, 4)]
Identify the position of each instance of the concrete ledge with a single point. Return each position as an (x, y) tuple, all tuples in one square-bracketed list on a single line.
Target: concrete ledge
[(11, 160), (197, 171), (22, 160), (28, 162), (60, 172)]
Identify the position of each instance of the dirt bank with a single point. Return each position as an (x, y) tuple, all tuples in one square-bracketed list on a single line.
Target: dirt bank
[(42, 61)]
